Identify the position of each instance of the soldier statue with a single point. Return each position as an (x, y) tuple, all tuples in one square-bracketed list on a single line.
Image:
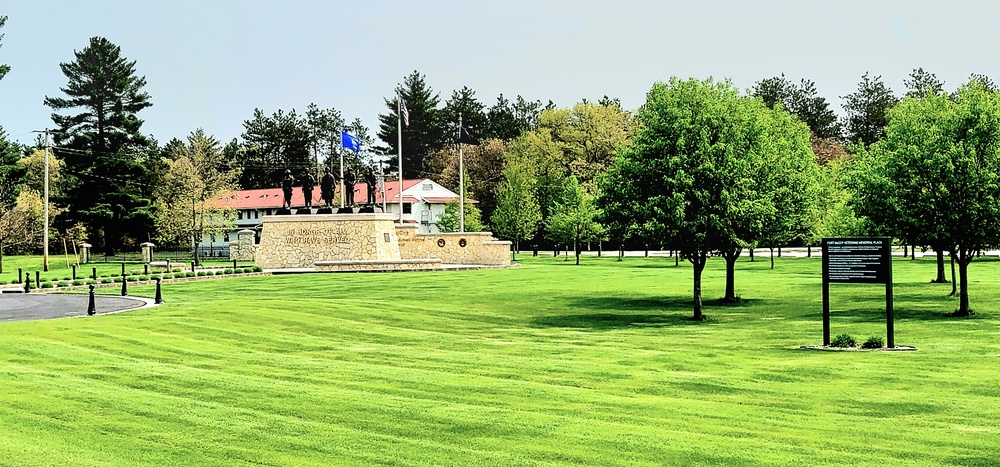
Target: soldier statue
[(326, 188), (308, 184), (349, 180), (286, 188), (370, 180)]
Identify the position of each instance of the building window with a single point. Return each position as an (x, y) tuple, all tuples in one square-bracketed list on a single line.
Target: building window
[(239, 215), (256, 214), (227, 238), (428, 187), (407, 208), (268, 212)]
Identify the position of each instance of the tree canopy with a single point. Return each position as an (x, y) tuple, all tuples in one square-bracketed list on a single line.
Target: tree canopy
[(935, 177), (709, 169), (867, 110)]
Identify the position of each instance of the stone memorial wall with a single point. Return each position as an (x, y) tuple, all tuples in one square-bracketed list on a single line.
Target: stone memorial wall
[(302, 241)]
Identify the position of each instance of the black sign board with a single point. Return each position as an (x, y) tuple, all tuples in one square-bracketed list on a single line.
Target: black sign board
[(857, 260)]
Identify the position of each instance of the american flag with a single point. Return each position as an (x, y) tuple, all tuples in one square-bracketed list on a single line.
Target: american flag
[(405, 113)]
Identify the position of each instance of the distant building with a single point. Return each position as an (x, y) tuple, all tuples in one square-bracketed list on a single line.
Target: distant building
[(424, 201)]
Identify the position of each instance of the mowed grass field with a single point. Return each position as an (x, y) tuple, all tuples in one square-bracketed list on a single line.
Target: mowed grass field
[(545, 364)]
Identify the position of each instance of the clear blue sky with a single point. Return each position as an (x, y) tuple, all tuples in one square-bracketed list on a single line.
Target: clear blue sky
[(209, 63)]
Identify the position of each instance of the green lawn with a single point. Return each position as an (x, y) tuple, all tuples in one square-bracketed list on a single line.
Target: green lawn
[(548, 363)]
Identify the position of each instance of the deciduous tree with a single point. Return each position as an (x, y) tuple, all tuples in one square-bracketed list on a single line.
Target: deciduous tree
[(193, 199), (517, 215), (935, 177), (574, 218)]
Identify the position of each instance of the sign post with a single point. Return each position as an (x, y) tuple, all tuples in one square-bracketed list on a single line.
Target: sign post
[(857, 261)]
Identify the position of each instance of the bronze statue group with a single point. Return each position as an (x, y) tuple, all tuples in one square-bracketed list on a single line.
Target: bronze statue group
[(327, 188)]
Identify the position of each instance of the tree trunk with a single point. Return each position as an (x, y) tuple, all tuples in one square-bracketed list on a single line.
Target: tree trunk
[(954, 283), (779, 252), (1, 258), (913, 252), (621, 251), (772, 257), (576, 251), (698, 262), (940, 266), (964, 258), (809, 251), (751, 255), (731, 257), (599, 247), (906, 251), (677, 259)]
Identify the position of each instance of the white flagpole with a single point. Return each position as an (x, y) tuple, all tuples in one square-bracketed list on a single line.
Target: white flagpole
[(461, 179), (399, 124), (341, 151)]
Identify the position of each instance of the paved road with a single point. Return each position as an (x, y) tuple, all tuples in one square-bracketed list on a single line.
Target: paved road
[(22, 307)]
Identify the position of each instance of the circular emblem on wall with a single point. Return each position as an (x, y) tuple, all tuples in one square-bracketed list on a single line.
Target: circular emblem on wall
[(441, 242), (462, 243)]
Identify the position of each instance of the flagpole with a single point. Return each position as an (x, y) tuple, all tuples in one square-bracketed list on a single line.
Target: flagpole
[(399, 128), (461, 179), (341, 151)]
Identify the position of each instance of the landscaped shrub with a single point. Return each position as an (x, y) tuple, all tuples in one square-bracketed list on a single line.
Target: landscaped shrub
[(67, 278), (155, 277), (90, 282), (106, 280), (843, 340), (873, 342), (117, 279), (189, 274), (201, 273), (54, 279), (144, 277), (15, 281), (175, 270), (63, 284), (78, 282), (257, 269), (228, 271), (47, 285)]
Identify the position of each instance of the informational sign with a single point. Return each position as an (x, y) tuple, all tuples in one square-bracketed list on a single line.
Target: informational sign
[(858, 260)]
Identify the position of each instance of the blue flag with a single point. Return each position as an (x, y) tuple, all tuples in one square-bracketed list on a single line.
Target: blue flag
[(350, 142)]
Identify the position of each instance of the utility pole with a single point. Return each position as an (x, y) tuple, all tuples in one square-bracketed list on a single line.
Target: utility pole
[(45, 233)]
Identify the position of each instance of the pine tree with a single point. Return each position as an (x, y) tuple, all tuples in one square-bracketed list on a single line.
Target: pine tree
[(867, 110), (424, 133), (102, 145)]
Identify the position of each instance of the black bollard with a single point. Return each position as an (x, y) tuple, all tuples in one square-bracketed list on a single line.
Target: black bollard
[(192, 266), (27, 283), (123, 269), (74, 271), (145, 269), (124, 285), (95, 273), (20, 277), (234, 264), (38, 279), (91, 308), (159, 297)]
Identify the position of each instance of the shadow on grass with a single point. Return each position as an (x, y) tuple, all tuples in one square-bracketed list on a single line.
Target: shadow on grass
[(875, 314), (620, 312)]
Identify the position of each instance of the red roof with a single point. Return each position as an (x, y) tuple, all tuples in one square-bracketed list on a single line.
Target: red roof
[(264, 198)]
